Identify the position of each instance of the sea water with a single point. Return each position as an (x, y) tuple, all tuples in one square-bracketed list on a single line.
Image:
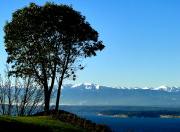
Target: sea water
[(118, 124)]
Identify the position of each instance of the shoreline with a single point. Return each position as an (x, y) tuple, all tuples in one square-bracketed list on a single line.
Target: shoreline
[(126, 116)]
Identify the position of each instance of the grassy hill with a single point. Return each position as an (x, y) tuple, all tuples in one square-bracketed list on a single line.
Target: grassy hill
[(60, 122), (36, 123)]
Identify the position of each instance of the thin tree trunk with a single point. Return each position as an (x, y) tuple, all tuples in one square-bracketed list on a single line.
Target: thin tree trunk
[(66, 62), (61, 81), (59, 93)]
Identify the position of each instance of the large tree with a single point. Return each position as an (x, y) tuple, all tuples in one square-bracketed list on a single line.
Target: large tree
[(48, 42)]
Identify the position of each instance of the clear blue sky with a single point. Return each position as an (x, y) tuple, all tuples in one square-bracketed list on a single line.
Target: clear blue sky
[(142, 39)]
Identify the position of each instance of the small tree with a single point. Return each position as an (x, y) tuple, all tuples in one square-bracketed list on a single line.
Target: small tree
[(28, 97), (48, 42), (20, 98)]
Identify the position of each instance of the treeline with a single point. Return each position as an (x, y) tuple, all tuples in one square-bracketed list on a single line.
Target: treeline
[(152, 114)]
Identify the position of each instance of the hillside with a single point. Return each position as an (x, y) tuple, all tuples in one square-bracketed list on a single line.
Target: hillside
[(34, 123), (60, 122)]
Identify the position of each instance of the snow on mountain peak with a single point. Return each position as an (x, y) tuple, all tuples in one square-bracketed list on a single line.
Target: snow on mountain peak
[(168, 89), (117, 87), (87, 85), (91, 86), (163, 87), (76, 85), (146, 88)]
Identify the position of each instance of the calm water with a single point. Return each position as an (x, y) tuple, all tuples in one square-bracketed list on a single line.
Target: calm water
[(136, 124)]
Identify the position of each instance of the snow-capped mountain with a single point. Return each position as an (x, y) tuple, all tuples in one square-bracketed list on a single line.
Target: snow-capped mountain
[(86, 86), (91, 86), (92, 94), (168, 89)]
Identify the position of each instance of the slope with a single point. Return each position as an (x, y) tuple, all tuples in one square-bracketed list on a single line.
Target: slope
[(35, 123)]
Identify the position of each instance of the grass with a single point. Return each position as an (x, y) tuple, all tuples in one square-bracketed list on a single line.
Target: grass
[(75, 120), (36, 123)]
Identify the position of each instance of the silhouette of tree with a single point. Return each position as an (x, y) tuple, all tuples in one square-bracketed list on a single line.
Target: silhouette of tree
[(48, 42), (20, 98)]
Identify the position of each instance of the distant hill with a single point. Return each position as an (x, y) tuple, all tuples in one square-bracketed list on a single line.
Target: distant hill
[(92, 94)]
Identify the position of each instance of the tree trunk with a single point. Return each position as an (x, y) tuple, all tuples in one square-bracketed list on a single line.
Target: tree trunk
[(66, 62), (46, 101), (58, 94)]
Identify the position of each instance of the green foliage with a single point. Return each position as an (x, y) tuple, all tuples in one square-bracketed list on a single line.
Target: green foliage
[(39, 38), (48, 42)]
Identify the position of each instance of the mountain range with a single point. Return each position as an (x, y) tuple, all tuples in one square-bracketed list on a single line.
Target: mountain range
[(92, 94)]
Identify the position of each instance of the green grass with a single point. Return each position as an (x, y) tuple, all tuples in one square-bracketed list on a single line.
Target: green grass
[(35, 123)]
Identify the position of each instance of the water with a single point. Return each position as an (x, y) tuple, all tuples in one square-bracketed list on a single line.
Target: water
[(118, 124)]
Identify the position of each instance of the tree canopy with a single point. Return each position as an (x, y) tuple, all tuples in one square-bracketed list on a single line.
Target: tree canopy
[(47, 42)]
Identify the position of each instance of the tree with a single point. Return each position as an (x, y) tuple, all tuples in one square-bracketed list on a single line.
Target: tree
[(48, 42), (20, 98)]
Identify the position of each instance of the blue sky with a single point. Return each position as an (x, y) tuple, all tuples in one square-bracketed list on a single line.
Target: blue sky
[(142, 39)]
